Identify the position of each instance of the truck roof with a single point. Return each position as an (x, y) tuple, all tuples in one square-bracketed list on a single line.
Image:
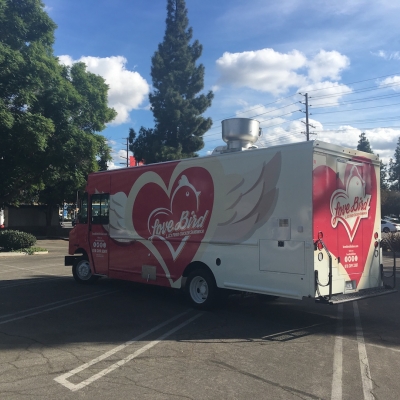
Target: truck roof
[(329, 147)]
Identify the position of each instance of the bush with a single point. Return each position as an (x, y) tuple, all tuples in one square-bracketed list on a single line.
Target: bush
[(391, 241), (14, 240)]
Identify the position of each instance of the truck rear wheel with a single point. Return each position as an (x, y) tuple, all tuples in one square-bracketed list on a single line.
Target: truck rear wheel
[(82, 272), (201, 289)]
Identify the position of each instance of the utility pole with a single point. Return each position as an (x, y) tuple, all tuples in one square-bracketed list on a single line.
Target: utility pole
[(307, 124), (127, 153)]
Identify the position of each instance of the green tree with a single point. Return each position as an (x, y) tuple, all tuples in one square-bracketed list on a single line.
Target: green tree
[(175, 103), (394, 169), (49, 114), (384, 185), (390, 202), (363, 144)]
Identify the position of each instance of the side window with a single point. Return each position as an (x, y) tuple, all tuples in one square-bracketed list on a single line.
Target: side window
[(100, 208), (83, 212)]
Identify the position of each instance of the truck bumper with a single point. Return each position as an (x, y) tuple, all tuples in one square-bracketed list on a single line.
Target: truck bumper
[(361, 294), (71, 260)]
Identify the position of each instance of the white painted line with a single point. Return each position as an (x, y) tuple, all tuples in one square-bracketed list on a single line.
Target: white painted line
[(60, 306), (337, 384), (28, 269), (63, 379), (362, 353), (292, 330), (377, 345)]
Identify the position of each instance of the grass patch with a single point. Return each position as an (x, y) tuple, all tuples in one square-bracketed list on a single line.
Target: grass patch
[(26, 250)]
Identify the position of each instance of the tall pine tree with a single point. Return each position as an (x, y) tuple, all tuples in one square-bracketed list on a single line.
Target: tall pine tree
[(175, 103), (363, 144), (394, 169)]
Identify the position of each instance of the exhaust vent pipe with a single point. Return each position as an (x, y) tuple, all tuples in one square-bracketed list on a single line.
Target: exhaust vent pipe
[(239, 134)]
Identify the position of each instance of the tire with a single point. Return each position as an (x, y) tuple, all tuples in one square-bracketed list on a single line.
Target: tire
[(82, 272), (386, 230), (201, 289)]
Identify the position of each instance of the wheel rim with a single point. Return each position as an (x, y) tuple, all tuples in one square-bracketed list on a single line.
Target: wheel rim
[(83, 270), (386, 230), (199, 289)]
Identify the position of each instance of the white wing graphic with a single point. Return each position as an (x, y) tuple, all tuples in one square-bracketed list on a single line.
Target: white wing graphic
[(250, 201), (117, 227)]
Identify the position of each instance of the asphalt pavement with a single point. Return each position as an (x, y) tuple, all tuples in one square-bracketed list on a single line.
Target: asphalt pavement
[(115, 339)]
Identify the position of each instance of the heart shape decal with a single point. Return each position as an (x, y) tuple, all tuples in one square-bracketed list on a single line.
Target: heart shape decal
[(351, 205), (174, 219)]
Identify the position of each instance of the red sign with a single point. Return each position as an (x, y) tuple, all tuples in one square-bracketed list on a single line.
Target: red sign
[(133, 162)]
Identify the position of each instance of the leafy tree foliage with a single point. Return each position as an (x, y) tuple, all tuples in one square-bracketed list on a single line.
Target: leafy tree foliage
[(363, 144), (390, 202), (49, 113), (394, 169), (179, 126), (384, 184)]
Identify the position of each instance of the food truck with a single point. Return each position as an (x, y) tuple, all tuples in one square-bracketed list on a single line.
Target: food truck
[(298, 220)]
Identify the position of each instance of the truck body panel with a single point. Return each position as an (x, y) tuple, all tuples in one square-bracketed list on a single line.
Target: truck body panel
[(253, 218)]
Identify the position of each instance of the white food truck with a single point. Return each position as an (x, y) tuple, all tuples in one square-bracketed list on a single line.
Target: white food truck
[(296, 220)]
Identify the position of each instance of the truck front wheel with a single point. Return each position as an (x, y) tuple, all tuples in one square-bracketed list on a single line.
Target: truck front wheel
[(201, 289), (82, 272)]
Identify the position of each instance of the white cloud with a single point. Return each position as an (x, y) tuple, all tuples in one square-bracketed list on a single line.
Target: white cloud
[(128, 89), (270, 71), (327, 64), (383, 141), (394, 55), (265, 70), (393, 82), (118, 155), (268, 116), (324, 93)]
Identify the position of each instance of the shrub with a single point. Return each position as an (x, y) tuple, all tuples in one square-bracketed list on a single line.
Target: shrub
[(14, 240), (391, 241)]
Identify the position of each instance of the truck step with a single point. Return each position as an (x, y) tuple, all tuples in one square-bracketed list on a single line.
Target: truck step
[(361, 294)]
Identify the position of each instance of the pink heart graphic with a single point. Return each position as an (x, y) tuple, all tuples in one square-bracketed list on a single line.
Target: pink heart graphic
[(351, 205), (175, 219)]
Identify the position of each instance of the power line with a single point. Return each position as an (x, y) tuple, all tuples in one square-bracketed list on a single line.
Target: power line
[(353, 83), (347, 102), (356, 109), (389, 85), (255, 108), (363, 120)]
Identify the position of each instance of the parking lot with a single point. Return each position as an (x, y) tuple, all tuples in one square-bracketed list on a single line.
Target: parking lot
[(115, 339)]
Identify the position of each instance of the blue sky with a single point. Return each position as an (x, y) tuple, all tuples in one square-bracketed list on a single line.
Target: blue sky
[(258, 55)]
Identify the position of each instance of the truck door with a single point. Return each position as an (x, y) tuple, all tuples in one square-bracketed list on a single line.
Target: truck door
[(351, 206), (98, 231)]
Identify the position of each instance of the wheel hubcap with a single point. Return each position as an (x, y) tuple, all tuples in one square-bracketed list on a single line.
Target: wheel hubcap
[(84, 270), (199, 289)]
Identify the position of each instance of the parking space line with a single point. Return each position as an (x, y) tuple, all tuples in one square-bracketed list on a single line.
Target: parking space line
[(63, 379), (362, 353), (291, 331), (27, 269), (337, 384), (99, 294), (379, 346)]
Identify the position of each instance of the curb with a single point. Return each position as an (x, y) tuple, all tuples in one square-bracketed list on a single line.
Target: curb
[(16, 254)]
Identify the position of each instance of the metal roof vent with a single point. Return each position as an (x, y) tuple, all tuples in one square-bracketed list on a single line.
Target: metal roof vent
[(239, 134)]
